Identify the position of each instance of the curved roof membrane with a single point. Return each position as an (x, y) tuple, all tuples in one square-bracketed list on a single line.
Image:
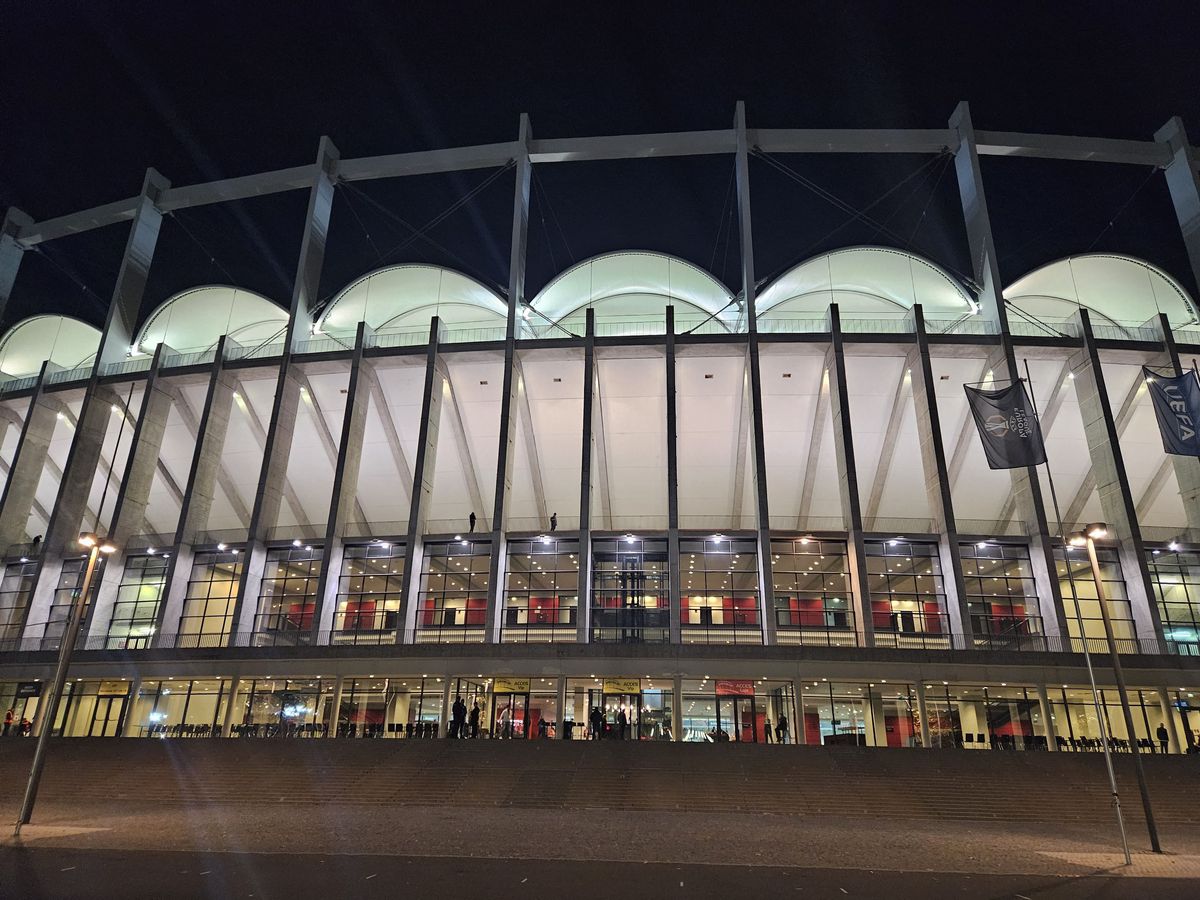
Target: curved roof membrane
[(1122, 289), (875, 280), (195, 319), (409, 295), (63, 340), (634, 284)]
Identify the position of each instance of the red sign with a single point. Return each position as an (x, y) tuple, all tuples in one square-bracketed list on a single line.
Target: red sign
[(726, 688)]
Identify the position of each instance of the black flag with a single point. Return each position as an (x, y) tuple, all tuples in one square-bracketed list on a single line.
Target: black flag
[(1008, 427), (1177, 408)]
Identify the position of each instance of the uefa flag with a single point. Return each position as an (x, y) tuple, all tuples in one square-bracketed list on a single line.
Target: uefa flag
[(1008, 426), (1177, 408)]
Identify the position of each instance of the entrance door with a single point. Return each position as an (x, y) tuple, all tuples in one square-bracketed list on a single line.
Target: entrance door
[(614, 705), (106, 717), (736, 720), (510, 717)]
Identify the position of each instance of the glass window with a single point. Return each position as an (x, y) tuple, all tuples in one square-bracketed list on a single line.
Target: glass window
[(813, 603), (70, 580), (1080, 599), (719, 590), (1001, 595), (908, 604), (135, 613), (630, 598), (541, 590), (454, 591), (1175, 575), (288, 599), (207, 619), (15, 590), (369, 592)]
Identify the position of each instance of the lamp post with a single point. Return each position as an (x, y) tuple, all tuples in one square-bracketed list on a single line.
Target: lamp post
[(96, 545), (1087, 538)]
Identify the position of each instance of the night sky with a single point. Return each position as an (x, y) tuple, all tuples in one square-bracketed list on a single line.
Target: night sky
[(92, 94)]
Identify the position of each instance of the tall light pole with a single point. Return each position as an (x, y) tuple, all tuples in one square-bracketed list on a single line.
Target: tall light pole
[(96, 546), (1087, 538)]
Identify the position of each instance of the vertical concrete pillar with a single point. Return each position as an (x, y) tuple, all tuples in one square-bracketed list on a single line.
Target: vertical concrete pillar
[(762, 516), (1047, 717), (843, 443), (1025, 485), (1166, 708), (447, 700), (11, 251), (335, 711), (675, 581), (231, 707), (509, 403), (677, 708), (129, 727), (345, 488), (923, 714), (306, 287), (1183, 182), (937, 484), (583, 618), (20, 490), (1112, 483), (560, 729), (423, 466)]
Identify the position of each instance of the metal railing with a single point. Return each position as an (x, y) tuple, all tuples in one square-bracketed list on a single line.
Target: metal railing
[(62, 376), (192, 358), (17, 384), (744, 633), (127, 366)]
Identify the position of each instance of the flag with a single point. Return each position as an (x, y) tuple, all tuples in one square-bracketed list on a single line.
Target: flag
[(1008, 426), (1177, 408)]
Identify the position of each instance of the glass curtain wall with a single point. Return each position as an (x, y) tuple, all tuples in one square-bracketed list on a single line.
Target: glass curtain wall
[(541, 595), (813, 602), (1079, 588), (15, 590), (1001, 596), (138, 599), (288, 597), (369, 592), (207, 619), (179, 708), (1175, 575), (70, 580), (454, 591), (630, 596), (719, 596), (908, 604)]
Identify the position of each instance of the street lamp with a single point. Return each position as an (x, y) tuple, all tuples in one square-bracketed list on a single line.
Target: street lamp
[(1087, 538), (96, 545)]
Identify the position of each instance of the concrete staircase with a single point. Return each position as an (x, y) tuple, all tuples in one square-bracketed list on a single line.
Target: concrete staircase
[(846, 781)]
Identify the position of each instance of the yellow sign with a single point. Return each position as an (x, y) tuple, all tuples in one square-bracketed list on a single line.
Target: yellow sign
[(622, 686), (113, 689), (511, 686)]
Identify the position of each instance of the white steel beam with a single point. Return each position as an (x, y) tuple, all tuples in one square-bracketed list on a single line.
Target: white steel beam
[(887, 452), (813, 458)]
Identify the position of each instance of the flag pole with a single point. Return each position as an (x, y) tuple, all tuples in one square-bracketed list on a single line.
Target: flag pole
[(1087, 656)]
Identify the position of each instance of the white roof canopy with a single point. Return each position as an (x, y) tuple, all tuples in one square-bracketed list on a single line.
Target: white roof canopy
[(194, 319), (1122, 289), (633, 284), (409, 295), (63, 340), (875, 280)]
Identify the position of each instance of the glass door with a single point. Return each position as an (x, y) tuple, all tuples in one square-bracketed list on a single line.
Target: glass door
[(614, 706), (510, 716), (106, 717), (736, 720)]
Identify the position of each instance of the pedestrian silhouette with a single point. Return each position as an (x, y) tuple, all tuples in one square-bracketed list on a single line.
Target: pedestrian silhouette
[(622, 722), (553, 521), (471, 519), (1163, 736), (766, 731), (474, 720)]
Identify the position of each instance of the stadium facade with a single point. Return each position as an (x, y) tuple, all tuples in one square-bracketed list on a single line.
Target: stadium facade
[(636, 492)]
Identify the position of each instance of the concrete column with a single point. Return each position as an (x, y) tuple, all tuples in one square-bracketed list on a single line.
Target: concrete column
[(923, 715), (1187, 468), (231, 705), (254, 564), (937, 483), (560, 730), (20, 491), (509, 403), (677, 708), (170, 607), (423, 466), (1167, 708), (1112, 483), (1047, 718), (335, 711), (307, 284), (583, 618), (675, 582), (766, 575), (447, 699), (1183, 181), (345, 488), (843, 443), (11, 251), (129, 728)]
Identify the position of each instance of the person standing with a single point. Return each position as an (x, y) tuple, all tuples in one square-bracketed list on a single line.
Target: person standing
[(471, 522), (622, 724), (553, 521), (596, 720), (781, 730), (1162, 734), (8, 720), (474, 720), (766, 731)]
